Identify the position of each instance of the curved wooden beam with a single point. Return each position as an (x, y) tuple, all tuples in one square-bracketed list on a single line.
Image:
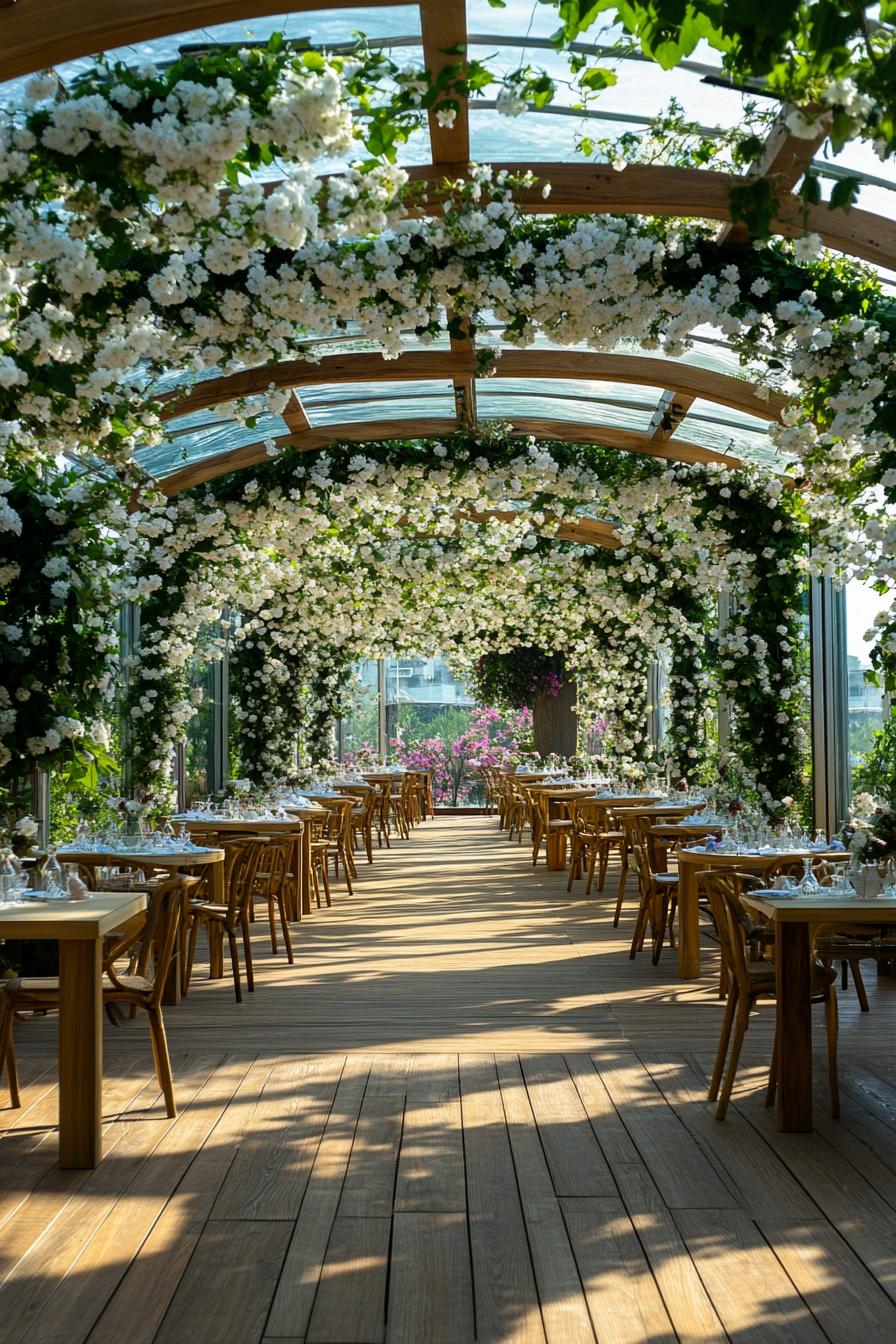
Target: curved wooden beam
[(44, 32), (444, 365), (566, 431), (684, 193)]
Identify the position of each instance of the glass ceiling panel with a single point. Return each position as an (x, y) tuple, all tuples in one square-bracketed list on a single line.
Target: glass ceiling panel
[(210, 437), (621, 395), (506, 406), (726, 439), (728, 415), (337, 403)]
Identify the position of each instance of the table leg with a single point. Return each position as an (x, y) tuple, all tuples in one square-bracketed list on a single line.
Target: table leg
[(688, 922), (793, 975), (556, 850), (80, 1052)]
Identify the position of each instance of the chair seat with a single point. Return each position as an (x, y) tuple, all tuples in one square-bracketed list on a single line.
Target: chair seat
[(666, 881), (46, 989), (208, 908), (559, 824)]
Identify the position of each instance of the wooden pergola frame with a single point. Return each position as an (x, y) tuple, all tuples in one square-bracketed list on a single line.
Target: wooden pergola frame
[(40, 33)]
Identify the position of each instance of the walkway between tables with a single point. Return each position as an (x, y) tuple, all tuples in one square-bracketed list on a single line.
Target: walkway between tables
[(463, 1115)]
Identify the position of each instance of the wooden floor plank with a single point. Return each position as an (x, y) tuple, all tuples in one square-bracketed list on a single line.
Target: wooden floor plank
[(370, 1176), (350, 1305), (564, 1309), (431, 1175), (454, 958), (268, 1176), (865, 1220), (577, 1165), (756, 1301), (759, 1181), (225, 1294), (294, 1299), (844, 1298), (681, 1168), (141, 1299), (686, 1300), (623, 1298), (30, 1288), (80, 1298), (430, 1288), (507, 1308)]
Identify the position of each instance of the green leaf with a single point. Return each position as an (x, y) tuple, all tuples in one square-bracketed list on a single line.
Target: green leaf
[(598, 78), (844, 194)]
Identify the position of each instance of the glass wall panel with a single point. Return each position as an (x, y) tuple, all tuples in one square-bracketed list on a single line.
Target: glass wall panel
[(360, 730), (866, 703)]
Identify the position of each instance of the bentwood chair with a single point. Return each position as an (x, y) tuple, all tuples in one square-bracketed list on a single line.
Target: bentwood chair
[(363, 815), (146, 952), (338, 832), (751, 980), (272, 880), (657, 907), (242, 857)]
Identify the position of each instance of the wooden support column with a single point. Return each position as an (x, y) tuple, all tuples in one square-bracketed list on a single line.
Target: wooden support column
[(444, 33)]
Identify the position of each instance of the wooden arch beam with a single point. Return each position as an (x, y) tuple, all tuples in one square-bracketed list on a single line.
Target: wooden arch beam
[(39, 33), (443, 365), (684, 193), (566, 431)]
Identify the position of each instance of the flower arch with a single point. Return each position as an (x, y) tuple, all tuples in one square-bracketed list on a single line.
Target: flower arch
[(137, 241), (454, 544)]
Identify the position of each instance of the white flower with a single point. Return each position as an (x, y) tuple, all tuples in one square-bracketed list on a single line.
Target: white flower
[(27, 827), (807, 247), (446, 116)]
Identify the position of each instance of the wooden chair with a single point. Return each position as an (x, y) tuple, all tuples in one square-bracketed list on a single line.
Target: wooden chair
[(518, 810), (751, 980), (398, 810), (271, 883), (242, 857), (320, 859), (657, 907), (147, 951), (544, 826), (338, 832), (363, 815)]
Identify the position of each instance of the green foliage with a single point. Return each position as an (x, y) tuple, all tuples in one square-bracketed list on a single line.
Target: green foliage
[(800, 49), (877, 772), (57, 608), (512, 680)]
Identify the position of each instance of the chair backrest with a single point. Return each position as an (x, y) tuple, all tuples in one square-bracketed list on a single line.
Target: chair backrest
[(275, 858), (733, 923), (153, 944), (642, 868)]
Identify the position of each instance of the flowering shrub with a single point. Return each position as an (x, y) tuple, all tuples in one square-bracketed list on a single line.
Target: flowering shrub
[(490, 739)]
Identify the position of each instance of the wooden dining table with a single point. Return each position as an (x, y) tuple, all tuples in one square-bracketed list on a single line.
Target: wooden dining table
[(80, 927), (691, 862), (662, 834), (298, 895), (794, 919), (209, 861)]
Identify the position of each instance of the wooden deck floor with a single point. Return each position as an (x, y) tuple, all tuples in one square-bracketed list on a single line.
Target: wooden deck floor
[(463, 1115)]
